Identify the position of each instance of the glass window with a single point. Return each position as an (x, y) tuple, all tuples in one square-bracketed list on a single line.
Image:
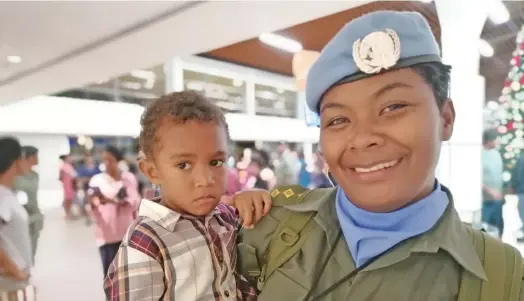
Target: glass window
[(229, 94), (273, 101), (139, 86)]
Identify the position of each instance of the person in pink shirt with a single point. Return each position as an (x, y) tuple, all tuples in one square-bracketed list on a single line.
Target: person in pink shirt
[(233, 182), (67, 177), (114, 201)]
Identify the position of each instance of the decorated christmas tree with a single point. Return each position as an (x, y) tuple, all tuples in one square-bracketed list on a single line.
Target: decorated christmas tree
[(511, 110)]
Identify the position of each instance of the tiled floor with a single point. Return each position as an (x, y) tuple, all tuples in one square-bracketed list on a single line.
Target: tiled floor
[(68, 266)]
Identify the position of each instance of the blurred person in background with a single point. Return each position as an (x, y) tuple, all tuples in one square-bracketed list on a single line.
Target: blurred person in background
[(254, 174), (319, 177), (133, 168), (492, 183), (114, 199), (27, 184), (88, 169), (233, 181), (304, 176), (286, 170), (15, 243), (267, 169), (85, 172), (68, 178), (517, 187)]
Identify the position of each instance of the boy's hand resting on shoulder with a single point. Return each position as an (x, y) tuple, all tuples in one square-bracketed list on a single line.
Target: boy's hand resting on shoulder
[(252, 205)]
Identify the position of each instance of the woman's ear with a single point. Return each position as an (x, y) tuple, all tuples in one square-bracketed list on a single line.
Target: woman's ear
[(447, 113)]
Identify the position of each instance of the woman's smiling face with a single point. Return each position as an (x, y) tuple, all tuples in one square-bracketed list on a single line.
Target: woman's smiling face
[(381, 138)]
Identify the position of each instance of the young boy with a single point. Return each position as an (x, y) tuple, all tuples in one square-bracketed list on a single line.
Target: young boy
[(183, 245)]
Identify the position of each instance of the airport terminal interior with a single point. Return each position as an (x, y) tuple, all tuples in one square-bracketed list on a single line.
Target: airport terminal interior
[(75, 78)]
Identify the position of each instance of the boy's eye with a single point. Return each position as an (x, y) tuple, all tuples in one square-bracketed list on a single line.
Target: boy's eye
[(184, 165), (217, 163), (392, 108)]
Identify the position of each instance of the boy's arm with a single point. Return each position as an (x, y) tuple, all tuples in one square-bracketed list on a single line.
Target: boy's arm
[(134, 276)]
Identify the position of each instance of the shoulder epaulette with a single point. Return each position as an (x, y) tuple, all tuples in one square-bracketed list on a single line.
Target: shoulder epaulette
[(288, 195)]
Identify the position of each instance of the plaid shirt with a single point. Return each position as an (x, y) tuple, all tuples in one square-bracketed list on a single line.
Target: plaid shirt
[(170, 256)]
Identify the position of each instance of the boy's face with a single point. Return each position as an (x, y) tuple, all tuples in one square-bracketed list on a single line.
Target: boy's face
[(189, 163), (381, 138)]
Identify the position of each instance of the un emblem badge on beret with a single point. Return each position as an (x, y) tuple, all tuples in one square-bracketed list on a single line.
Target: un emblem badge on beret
[(376, 51)]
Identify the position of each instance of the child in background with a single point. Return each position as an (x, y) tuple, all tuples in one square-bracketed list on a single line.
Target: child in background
[(183, 245)]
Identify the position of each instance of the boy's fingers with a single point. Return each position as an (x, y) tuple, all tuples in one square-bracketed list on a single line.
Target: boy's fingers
[(241, 214), (258, 204), (268, 202), (247, 213)]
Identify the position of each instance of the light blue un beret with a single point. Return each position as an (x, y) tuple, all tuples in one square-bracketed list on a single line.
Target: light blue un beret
[(369, 45)]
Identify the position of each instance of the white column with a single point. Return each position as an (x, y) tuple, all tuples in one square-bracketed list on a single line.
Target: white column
[(174, 73), (250, 96), (301, 106), (460, 166)]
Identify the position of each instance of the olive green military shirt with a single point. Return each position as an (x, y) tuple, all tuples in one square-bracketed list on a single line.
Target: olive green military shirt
[(29, 184), (426, 267)]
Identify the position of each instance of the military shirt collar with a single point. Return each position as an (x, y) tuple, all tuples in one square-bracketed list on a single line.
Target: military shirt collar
[(448, 234)]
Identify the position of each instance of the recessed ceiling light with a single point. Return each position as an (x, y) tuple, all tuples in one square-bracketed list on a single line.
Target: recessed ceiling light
[(14, 59), (280, 42)]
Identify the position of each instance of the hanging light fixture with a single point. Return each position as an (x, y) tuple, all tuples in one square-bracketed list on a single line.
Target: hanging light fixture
[(302, 62)]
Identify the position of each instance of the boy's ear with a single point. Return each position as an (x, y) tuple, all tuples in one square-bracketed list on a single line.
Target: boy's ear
[(148, 168)]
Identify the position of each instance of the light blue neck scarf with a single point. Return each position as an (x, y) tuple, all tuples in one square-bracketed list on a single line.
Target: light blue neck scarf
[(368, 234)]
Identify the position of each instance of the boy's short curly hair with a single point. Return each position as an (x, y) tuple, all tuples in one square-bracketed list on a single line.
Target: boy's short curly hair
[(177, 107)]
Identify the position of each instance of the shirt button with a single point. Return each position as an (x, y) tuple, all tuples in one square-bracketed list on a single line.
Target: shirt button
[(226, 293)]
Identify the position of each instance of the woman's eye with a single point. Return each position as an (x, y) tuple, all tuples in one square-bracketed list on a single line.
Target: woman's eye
[(217, 163), (184, 165), (337, 121), (392, 108)]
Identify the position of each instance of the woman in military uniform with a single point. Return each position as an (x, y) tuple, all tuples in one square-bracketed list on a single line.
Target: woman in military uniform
[(389, 230)]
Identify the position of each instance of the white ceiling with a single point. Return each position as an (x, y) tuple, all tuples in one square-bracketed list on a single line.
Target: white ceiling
[(69, 44)]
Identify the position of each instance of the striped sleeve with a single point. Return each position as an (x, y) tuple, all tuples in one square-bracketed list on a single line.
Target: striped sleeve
[(228, 213)]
